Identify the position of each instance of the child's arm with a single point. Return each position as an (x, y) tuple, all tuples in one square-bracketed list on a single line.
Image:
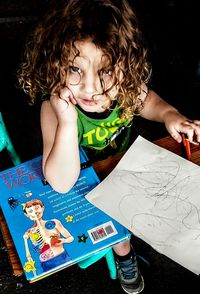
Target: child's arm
[(155, 108), (61, 163)]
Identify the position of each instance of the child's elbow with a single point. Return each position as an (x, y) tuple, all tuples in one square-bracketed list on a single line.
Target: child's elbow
[(62, 185), (61, 188)]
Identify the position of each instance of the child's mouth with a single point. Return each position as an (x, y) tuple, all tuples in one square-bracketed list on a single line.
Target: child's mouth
[(88, 102)]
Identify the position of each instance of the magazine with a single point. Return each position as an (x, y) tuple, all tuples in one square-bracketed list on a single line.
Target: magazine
[(51, 230)]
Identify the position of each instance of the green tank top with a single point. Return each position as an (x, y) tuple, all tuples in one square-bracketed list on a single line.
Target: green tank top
[(95, 133)]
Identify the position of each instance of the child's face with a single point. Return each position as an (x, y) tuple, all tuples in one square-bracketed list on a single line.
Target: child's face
[(83, 78)]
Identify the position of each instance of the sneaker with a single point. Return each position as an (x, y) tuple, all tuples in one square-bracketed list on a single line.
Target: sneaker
[(129, 276)]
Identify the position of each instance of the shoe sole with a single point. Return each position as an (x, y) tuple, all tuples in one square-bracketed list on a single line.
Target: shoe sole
[(137, 291)]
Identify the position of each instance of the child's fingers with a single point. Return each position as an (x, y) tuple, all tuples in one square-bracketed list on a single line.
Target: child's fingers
[(60, 101), (65, 94), (197, 122), (189, 131), (73, 100), (175, 135), (197, 130), (192, 130), (190, 134)]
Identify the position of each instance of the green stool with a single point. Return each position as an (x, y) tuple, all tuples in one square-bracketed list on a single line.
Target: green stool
[(108, 254), (5, 142)]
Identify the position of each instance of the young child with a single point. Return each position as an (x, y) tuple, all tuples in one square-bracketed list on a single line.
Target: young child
[(86, 59)]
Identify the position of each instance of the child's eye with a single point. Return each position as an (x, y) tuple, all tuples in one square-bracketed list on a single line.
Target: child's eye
[(107, 72), (74, 69), (107, 77), (74, 75)]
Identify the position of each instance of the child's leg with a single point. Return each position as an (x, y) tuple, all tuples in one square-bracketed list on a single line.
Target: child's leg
[(122, 248), (127, 268)]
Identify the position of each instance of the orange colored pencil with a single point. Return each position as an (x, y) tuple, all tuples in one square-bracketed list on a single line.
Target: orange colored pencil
[(186, 144), (188, 150)]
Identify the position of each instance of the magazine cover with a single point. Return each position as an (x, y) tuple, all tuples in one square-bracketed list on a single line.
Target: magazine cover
[(51, 230)]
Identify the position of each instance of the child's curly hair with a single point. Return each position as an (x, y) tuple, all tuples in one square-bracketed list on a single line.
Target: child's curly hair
[(112, 27)]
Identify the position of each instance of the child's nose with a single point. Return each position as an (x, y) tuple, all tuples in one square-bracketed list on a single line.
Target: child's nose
[(92, 84)]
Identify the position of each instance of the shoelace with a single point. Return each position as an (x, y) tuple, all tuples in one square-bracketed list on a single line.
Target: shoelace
[(129, 269)]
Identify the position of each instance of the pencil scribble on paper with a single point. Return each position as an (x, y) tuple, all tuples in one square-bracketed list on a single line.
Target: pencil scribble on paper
[(168, 210), (156, 195)]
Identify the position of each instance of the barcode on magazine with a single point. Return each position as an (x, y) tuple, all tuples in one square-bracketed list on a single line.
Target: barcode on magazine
[(102, 232)]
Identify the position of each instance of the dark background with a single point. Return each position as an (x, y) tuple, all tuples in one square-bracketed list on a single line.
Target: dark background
[(171, 31)]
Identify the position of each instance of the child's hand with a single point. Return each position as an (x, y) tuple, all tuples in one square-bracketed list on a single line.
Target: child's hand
[(63, 105), (177, 123)]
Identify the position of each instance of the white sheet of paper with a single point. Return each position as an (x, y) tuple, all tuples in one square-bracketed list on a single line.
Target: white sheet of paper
[(156, 195)]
